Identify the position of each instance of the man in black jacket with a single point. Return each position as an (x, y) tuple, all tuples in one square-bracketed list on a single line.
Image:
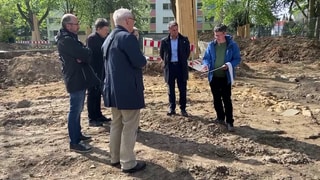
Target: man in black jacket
[(78, 76), (94, 42), (175, 51)]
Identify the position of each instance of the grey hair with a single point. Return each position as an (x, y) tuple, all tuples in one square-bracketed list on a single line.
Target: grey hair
[(172, 23), (120, 15), (66, 19)]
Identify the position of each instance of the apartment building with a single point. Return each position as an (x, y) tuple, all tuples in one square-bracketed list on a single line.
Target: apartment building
[(54, 24), (161, 14)]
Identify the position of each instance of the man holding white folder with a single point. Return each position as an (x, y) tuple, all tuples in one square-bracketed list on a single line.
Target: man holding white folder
[(221, 57)]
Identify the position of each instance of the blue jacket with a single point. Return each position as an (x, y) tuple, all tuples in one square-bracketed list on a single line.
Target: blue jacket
[(232, 56), (123, 83)]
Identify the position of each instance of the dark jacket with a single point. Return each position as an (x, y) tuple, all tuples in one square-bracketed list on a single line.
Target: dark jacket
[(183, 55), (123, 84), (94, 42), (77, 75), (232, 56)]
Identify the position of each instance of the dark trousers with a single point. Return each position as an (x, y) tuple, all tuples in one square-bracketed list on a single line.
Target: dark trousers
[(94, 103), (221, 92), (175, 73)]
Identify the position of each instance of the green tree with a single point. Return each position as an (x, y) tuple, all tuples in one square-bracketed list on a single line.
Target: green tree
[(239, 11), (7, 17), (89, 10), (34, 12)]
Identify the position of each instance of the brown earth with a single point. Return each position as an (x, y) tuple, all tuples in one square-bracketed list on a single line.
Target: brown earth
[(276, 108)]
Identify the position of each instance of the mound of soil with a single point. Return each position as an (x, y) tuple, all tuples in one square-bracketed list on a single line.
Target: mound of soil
[(275, 49), (30, 69), (279, 49)]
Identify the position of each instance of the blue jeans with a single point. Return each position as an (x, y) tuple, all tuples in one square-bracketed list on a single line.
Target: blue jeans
[(76, 106)]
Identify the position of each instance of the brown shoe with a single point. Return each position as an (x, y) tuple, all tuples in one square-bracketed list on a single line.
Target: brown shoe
[(140, 166)]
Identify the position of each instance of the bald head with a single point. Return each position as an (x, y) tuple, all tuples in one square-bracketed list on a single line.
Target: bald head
[(70, 22)]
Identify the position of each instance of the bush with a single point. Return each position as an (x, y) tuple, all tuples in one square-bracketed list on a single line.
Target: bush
[(7, 35)]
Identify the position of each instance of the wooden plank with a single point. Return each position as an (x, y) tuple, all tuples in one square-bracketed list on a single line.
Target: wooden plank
[(186, 19)]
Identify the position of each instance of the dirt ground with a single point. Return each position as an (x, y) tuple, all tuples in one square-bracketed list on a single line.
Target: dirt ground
[(276, 110)]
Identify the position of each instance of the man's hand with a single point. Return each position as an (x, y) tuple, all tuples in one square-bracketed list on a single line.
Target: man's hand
[(79, 61), (204, 68), (224, 67)]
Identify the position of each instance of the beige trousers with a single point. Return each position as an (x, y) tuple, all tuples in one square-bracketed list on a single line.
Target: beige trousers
[(123, 135)]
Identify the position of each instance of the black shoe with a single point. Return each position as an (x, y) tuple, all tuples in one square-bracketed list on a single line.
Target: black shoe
[(103, 119), (117, 164), (93, 123), (80, 148), (171, 112), (140, 166), (219, 121), (184, 113), (85, 138), (230, 127)]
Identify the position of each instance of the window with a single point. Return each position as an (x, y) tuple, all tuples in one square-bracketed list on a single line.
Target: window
[(165, 31), (199, 5), (199, 19), (152, 6), (167, 19), (166, 6), (153, 20)]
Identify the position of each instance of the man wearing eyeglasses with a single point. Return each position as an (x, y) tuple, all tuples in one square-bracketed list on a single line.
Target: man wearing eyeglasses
[(78, 76), (124, 90)]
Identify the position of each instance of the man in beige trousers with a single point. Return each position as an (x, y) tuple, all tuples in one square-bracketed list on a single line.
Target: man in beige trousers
[(123, 90)]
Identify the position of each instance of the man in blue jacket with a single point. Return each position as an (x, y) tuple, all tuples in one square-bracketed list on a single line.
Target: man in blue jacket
[(123, 90), (221, 57), (78, 76)]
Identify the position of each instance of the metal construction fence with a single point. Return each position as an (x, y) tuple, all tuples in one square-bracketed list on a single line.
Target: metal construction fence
[(289, 28), (37, 44)]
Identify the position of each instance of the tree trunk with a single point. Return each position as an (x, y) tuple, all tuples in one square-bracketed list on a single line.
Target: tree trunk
[(312, 19), (240, 31), (317, 29), (247, 31), (35, 32)]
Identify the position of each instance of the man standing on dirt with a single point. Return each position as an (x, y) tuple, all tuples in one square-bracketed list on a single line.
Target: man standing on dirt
[(78, 76), (123, 90), (221, 57), (175, 51), (94, 42)]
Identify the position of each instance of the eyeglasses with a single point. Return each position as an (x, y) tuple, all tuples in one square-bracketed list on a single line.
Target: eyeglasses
[(76, 24), (134, 20)]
